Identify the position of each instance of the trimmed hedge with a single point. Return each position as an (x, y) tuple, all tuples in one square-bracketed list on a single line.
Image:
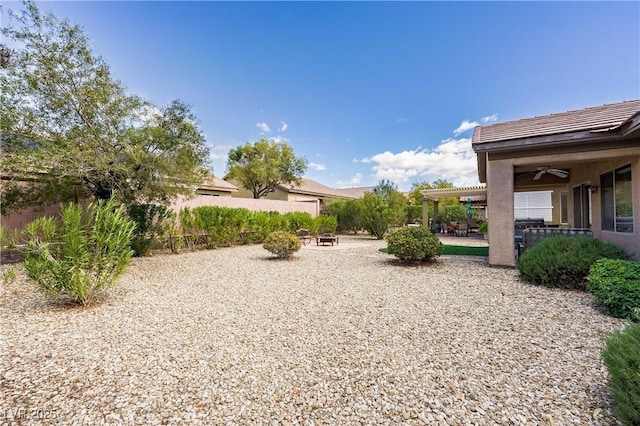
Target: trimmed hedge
[(622, 357), (615, 283), (564, 262), (212, 226), (414, 243)]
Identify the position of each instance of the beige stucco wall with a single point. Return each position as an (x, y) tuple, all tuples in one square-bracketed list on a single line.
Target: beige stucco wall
[(555, 202), (261, 204), (18, 220), (500, 213), (278, 194)]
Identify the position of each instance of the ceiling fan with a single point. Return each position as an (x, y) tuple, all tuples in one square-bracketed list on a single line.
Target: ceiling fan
[(546, 169)]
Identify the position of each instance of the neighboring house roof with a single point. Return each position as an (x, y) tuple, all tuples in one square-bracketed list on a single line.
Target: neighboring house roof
[(599, 118), (356, 192), (311, 187), (217, 184)]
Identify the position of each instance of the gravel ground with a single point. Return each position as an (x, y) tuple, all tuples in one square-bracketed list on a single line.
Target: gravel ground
[(337, 335)]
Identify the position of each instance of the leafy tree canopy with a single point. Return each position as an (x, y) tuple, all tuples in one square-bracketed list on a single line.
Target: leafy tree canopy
[(382, 209), (261, 166), (69, 129), (415, 197), (385, 188)]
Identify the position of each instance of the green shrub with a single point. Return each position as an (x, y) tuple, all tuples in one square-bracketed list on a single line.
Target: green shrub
[(298, 220), (151, 222), (82, 255), (347, 213), (564, 262), (622, 357), (264, 223), (483, 228), (452, 213), (615, 283), (379, 212), (413, 214), (217, 225), (414, 243), (282, 243), (324, 223)]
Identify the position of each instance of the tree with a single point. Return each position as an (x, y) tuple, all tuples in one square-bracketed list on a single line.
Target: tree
[(382, 210), (415, 196), (385, 188), (262, 166), (347, 213), (69, 129)]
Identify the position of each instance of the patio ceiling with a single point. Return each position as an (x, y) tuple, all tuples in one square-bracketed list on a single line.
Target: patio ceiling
[(463, 191)]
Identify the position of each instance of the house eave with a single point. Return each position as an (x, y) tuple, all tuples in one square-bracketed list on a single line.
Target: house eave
[(547, 141)]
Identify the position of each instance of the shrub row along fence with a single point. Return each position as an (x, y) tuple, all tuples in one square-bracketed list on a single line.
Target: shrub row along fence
[(209, 227)]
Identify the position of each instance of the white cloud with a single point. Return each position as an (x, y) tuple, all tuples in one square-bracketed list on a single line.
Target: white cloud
[(490, 118), (277, 139), (355, 160), (219, 151), (401, 120), (464, 126), (356, 179), (316, 166), (283, 126), (263, 127), (453, 160)]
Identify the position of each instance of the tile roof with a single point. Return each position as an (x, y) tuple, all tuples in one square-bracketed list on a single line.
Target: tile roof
[(312, 187), (357, 192), (602, 117), (215, 183)]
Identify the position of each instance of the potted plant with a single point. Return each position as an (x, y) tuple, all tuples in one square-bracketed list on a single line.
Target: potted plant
[(484, 229)]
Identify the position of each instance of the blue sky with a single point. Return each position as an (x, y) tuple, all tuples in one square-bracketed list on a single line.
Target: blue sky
[(366, 90)]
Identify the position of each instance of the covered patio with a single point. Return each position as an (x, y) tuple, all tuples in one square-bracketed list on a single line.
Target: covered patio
[(434, 196), (589, 158)]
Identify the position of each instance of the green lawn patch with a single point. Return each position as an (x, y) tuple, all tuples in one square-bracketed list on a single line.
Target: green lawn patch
[(458, 250)]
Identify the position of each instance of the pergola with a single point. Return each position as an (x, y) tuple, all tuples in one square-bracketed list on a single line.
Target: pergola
[(434, 195)]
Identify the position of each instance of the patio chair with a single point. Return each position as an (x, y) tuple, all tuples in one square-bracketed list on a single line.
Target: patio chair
[(452, 228), (463, 229), (472, 226), (304, 235)]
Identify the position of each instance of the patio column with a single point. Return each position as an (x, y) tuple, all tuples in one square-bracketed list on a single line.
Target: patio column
[(500, 212), (425, 212), (435, 211)]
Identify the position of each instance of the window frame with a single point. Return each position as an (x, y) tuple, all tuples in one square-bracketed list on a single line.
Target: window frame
[(610, 221)]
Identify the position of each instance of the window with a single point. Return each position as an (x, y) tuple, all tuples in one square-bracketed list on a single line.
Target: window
[(616, 200), (532, 204)]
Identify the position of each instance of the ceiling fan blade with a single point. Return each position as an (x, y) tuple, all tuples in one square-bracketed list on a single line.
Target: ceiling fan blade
[(538, 175), (560, 173)]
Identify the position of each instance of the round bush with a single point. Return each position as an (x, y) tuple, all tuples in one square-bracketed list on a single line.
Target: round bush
[(414, 243), (281, 243), (565, 261)]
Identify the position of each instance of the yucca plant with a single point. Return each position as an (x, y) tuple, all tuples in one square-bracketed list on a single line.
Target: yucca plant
[(81, 255)]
